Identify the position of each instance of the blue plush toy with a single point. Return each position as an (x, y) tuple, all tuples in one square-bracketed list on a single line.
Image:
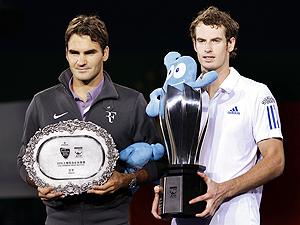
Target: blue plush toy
[(181, 69)]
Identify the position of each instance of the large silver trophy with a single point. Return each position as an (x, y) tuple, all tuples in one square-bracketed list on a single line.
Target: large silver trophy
[(183, 113), (183, 132), (70, 156)]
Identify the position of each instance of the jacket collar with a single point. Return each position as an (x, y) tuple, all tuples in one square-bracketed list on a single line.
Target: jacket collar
[(108, 89)]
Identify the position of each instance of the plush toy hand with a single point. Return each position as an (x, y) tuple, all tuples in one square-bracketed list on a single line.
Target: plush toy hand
[(138, 154), (207, 78), (158, 150), (152, 108)]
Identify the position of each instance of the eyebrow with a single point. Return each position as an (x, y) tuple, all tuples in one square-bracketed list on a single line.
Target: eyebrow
[(217, 39), (90, 51), (203, 39)]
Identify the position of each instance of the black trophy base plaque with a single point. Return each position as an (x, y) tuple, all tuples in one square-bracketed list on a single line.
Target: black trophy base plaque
[(180, 185)]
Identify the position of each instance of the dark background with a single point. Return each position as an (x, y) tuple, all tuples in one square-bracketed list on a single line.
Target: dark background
[(141, 34)]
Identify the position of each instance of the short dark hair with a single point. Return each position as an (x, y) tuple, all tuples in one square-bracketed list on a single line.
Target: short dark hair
[(92, 26), (215, 17)]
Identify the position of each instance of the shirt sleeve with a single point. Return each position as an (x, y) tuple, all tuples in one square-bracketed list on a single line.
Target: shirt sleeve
[(266, 122)]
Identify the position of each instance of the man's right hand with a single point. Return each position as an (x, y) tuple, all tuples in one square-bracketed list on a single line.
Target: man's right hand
[(48, 193)]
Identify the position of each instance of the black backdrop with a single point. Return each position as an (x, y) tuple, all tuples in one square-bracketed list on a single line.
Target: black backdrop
[(141, 33)]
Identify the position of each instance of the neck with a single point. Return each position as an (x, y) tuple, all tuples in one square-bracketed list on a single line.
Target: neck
[(213, 88), (83, 87)]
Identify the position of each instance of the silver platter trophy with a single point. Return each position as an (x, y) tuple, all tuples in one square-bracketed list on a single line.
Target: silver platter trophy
[(70, 156), (182, 123)]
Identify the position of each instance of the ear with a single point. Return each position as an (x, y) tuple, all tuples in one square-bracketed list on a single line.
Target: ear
[(231, 44), (67, 53), (105, 53), (194, 45)]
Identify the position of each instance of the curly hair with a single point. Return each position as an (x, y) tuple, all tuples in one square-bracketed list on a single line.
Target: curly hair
[(212, 16)]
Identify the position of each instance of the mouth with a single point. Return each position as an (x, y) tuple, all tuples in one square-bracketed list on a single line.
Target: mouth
[(208, 57), (82, 70)]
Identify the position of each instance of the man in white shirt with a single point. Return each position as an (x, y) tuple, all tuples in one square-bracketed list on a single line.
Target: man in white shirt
[(242, 148)]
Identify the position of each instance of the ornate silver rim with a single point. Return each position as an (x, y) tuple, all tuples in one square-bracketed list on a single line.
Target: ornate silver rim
[(70, 127)]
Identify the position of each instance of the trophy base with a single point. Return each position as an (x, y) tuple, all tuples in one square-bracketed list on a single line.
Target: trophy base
[(180, 185)]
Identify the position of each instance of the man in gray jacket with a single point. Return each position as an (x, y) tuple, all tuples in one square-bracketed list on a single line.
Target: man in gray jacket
[(86, 92)]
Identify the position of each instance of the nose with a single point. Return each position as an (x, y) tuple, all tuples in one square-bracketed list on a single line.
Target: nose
[(81, 60), (207, 47)]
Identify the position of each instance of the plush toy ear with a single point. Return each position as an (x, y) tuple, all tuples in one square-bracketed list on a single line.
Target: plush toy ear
[(170, 58)]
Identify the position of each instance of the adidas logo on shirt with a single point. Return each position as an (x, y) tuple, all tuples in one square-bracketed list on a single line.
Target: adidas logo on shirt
[(234, 110)]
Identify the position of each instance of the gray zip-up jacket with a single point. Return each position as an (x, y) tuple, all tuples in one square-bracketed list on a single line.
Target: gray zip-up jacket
[(130, 124)]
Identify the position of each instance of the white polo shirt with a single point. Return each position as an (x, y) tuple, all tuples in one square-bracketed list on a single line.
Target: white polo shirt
[(242, 113)]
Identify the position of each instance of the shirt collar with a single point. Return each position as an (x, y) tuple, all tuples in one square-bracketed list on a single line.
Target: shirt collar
[(91, 94), (230, 81)]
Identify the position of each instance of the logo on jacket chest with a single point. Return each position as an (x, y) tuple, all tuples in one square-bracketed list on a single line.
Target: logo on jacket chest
[(111, 116), (56, 116)]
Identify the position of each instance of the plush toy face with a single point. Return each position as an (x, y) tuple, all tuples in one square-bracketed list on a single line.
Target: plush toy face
[(181, 69)]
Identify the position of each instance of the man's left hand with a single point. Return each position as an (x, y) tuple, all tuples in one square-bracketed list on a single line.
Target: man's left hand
[(214, 196), (115, 182)]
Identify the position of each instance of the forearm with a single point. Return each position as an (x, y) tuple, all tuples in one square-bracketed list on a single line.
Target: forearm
[(123, 180), (268, 168), (141, 176), (255, 177)]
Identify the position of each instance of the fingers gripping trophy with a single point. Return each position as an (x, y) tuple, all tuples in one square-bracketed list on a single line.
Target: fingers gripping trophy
[(183, 116)]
